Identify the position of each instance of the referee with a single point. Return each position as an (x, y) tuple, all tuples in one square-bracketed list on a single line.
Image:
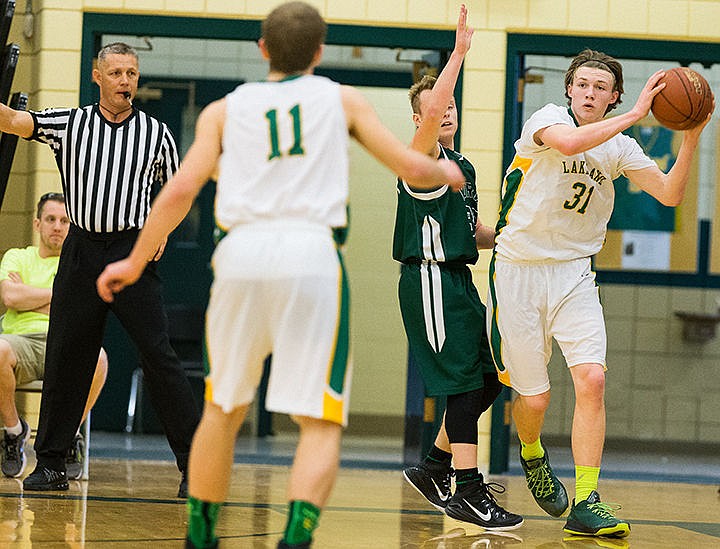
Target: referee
[(110, 155)]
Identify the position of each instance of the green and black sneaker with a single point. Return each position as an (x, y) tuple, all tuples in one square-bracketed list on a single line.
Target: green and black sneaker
[(592, 518), (548, 491)]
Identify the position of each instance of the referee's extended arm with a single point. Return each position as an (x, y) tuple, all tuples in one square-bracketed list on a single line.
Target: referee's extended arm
[(16, 122)]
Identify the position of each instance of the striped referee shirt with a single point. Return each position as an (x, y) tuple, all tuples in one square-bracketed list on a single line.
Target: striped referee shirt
[(108, 169)]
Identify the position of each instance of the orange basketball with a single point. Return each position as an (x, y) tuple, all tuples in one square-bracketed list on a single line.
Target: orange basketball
[(685, 101)]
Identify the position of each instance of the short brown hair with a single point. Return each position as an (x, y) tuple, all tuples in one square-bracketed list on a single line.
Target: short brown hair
[(597, 60), (56, 197), (427, 82), (293, 33)]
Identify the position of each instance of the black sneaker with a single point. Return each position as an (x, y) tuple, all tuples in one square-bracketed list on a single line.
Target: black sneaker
[(12, 450), (75, 457), (477, 505), (433, 485), (44, 478), (190, 545), (548, 491), (183, 488)]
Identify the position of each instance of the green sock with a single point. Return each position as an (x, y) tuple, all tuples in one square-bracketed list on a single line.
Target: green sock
[(303, 518), (532, 450), (586, 480), (202, 516)]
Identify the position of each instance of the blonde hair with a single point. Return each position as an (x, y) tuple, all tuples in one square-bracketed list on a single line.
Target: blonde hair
[(427, 82)]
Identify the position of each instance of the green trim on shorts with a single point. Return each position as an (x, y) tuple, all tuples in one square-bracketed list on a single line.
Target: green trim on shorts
[(342, 345), (495, 338)]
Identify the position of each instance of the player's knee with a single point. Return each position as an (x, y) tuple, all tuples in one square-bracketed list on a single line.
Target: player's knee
[(590, 383), (7, 355), (535, 404), (461, 416), (492, 390)]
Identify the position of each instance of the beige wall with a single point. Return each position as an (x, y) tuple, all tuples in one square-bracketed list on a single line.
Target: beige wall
[(659, 386), (49, 71), (50, 61)]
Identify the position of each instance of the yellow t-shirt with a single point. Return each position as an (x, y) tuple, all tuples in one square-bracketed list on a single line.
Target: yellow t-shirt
[(35, 271)]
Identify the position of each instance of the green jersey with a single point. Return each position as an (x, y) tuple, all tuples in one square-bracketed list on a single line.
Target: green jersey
[(438, 225)]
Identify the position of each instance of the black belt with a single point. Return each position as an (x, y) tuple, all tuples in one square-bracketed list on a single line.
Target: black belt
[(104, 237)]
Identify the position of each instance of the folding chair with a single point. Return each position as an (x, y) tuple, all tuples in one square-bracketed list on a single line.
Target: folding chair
[(27, 400)]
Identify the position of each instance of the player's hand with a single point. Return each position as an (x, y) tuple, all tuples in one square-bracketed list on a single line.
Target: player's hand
[(699, 128), (456, 179), (647, 94), (463, 33), (117, 276)]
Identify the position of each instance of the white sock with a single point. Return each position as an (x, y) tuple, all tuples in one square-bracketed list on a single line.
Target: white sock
[(14, 431)]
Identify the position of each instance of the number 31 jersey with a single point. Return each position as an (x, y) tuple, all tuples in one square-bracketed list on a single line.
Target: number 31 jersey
[(285, 154), (556, 207)]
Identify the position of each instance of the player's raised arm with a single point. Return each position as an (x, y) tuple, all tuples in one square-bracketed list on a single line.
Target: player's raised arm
[(440, 98), (415, 168)]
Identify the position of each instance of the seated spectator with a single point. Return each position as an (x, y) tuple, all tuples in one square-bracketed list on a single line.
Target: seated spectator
[(26, 280)]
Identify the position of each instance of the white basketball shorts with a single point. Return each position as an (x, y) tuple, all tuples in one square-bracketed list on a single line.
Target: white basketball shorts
[(529, 305), (280, 289)]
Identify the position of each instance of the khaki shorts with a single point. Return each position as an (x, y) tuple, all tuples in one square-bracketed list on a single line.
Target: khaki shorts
[(29, 350)]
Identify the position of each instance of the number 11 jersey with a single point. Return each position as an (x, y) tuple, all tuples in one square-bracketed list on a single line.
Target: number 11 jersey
[(285, 154)]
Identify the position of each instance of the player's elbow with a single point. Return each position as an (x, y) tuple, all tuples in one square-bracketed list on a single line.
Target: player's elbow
[(9, 300), (568, 146), (433, 113), (417, 176), (671, 201)]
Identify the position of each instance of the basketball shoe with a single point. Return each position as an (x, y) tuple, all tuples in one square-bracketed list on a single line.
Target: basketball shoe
[(548, 491), (590, 517), (75, 457), (12, 451), (433, 484), (44, 478), (477, 505)]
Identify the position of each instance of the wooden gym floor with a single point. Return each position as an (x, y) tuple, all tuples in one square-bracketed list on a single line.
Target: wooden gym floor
[(130, 503)]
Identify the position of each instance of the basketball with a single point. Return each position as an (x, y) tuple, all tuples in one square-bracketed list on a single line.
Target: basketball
[(685, 101)]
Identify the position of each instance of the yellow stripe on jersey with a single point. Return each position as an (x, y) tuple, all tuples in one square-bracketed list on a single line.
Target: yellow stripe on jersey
[(520, 162)]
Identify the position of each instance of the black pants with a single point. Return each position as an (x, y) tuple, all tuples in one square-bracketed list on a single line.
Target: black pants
[(77, 325)]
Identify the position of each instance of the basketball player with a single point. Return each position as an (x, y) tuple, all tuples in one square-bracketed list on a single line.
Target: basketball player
[(557, 200), (437, 234), (280, 287)]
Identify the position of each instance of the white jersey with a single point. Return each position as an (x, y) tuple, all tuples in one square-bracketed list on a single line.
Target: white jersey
[(285, 154), (556, 207)]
